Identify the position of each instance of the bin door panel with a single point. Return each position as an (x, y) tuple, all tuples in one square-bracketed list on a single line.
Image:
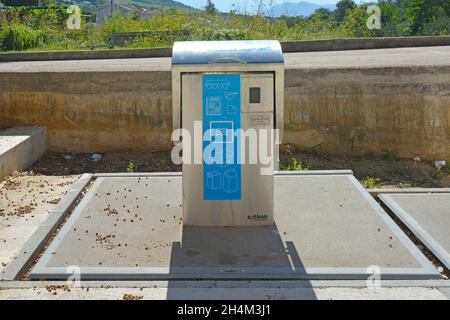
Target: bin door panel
[(255, 204)]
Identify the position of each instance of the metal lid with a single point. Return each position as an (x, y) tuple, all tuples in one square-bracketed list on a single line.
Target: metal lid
[(219, 52)]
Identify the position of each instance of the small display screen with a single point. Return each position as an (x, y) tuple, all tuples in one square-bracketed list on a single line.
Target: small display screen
[(255, 95)]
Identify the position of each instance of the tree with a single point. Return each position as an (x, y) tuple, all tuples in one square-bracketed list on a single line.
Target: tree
[(210, 7), (324, 13), (341, 8), (19, 3), (355, 23), (421, 12)]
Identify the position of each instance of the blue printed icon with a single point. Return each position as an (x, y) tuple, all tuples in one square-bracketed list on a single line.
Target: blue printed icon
[(230, 181), (216, 84), (221, 119), (231, 109), (221, 131), (213, 106), (231, 95), (214, 180)]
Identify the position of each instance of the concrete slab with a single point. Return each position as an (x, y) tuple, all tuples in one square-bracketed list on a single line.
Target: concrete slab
[(20, 147), (26, 202), (446, 292), (48, 223), (427, 216), (327, 227)]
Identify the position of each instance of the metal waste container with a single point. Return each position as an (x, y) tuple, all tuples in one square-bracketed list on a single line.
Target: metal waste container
[(227, 101)]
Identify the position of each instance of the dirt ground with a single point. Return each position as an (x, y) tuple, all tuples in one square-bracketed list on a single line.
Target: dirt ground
[(391, 172), (400, 173)]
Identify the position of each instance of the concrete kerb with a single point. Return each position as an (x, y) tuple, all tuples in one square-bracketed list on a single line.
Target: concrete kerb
[(29, 252), (362, 43), (287, 46), (417, 229), (88, 54), (377, 191), (20, 147), (313, 173), (443, 285), (138, 174)]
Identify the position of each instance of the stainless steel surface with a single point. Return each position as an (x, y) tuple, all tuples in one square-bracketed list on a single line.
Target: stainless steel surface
[(240, 51), (256, 206), (276, 69)]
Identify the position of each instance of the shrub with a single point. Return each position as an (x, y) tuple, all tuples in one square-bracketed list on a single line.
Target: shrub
[(221, 34), (438, 27), (20, 37)]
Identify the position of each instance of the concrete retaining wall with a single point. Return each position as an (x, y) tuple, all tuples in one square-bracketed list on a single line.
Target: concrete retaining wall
[(404, 110), (91, 111), (20, 147), (347, 111)]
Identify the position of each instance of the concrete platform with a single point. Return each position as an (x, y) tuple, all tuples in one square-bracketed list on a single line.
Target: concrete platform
[(31, 209), (226, 290), (327, 227), (427, 215), (20, 147)]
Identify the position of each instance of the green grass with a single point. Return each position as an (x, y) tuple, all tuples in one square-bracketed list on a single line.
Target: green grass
[(26, 28), (53, 35)]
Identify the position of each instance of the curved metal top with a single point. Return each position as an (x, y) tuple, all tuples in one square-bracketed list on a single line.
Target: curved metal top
[(219, 52)]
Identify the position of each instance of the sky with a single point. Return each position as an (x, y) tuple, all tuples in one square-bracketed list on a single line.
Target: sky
[(225, 5)]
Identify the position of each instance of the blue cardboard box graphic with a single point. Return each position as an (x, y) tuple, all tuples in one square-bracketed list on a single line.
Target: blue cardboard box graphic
[(214, 180)]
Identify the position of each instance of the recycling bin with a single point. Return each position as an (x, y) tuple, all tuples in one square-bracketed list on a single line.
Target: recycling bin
[(228, 104)]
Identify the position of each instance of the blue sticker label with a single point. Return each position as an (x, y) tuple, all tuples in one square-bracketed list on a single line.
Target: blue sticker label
[(221, 122)]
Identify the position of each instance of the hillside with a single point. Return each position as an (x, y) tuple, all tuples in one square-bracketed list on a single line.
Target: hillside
[(164, 4), (302, 8), (160, 4)]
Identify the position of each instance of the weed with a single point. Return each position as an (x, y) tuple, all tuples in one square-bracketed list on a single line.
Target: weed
[(295, 165), (370, 182), (404, 185), (131, 167), (442, 172)]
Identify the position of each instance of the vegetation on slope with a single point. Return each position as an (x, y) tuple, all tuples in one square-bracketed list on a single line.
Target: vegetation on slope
[(26, 28)]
